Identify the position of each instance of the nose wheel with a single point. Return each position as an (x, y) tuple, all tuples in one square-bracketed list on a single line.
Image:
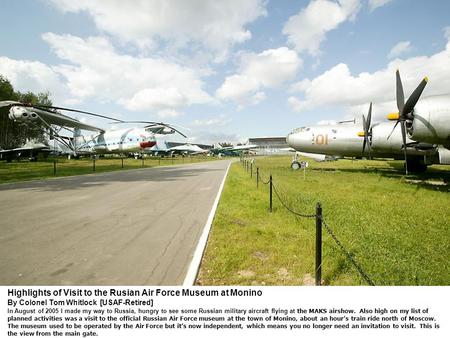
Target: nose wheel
[(295, 165)]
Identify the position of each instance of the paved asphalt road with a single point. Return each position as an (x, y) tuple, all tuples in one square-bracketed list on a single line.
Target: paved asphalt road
[(136, 227)]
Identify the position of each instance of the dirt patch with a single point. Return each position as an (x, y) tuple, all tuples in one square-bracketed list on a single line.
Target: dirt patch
[(282, 272), (246, 273), (308, 280), (260, 255), (238, 222)]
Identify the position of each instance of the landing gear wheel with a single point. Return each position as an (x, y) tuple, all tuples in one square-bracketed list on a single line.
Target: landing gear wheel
[(295, 165)]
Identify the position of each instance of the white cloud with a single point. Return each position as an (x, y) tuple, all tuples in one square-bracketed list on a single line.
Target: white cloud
[(33, 76), (295, 104), (258, 98), (337, 87), (268, 69), (308, 28), (400, 48), (374, 4), (219, 121), (214, 25), (214, 137), (95, 69), (447, 32), (166, 113)]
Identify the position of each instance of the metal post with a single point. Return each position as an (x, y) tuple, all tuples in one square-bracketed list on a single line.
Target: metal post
[(54, 167), (318, 244), (270, 194), (122, 162), (257, 177), (93, 163), (251, 170)]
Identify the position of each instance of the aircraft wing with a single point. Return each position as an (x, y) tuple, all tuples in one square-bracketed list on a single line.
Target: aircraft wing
[(245, 147), (20, 112), (12, 153), (317, 157), (64, 120), (189, 148)]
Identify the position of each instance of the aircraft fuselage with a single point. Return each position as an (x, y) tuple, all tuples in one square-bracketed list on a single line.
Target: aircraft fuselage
[(116, 141)]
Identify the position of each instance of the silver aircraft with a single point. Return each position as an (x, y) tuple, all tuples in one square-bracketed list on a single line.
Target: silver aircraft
[(427, 120), (422, 139), (67, 130)]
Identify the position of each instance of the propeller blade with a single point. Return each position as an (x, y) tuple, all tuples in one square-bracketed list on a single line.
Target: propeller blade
[(403, 128), (364, 145), (369, 116), (400, 94), (365, 133), (393, 129), (364, 124), (76, 111), (412, 100), (369, 131)]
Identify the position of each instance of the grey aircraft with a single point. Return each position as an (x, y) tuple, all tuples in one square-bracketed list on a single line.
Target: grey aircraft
[(423, 137)]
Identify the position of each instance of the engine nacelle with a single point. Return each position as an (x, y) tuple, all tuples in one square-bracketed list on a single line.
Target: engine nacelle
[(167, 130), (444, 155), (22, 114), (431, 120)]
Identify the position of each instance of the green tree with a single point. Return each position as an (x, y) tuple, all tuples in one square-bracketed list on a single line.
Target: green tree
[(14, 134)]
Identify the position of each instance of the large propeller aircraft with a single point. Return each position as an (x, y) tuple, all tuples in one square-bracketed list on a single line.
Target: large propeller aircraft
[(56, 125), (424, 121), (423, 138)]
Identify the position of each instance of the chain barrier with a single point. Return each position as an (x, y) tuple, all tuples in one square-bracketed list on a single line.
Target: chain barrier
[(327, 228), (349, 255), (262, 180), (289, 209)]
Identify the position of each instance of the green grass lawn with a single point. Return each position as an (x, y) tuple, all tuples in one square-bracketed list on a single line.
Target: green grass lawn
[(24, 170), (395, 226)]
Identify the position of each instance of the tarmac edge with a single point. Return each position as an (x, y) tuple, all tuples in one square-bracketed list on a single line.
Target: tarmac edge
[(194, 267)]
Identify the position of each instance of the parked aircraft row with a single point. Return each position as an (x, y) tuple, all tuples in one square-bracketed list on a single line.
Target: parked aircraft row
[(423, 137), (67, 130)]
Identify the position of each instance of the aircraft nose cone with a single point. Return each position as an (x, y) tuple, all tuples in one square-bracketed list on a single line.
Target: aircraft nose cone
[(147, 144), (289, 139)]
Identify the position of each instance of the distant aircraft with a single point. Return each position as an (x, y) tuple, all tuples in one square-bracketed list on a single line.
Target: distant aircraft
[(187, 149), (231, 151), (121, 141), (30, 149), (163, 148)]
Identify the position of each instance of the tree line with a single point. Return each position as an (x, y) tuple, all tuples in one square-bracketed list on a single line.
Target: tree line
[(14, 134)]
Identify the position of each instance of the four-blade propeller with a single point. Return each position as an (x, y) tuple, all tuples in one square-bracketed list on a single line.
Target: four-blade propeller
[(367, 132), (406, 110)]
